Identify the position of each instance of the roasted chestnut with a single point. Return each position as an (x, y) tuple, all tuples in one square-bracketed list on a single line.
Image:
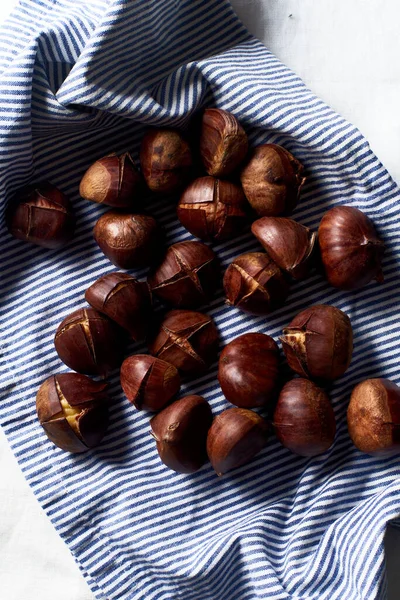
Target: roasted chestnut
[(72, 409), (124, 300), (213, 209), (88, 342), (128, 240), (255, 284), (166, 160), (272, 180), (41, 214), (187, 276), (288, 243), (186, 339), (235, 437), (304, 420), (248, 370), (112, 180), (351, 251), (180, 431), (223, 142), (318, 343), (148, 382), (373, 417)]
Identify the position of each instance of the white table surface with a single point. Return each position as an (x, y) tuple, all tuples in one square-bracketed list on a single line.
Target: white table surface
[(347, 52)]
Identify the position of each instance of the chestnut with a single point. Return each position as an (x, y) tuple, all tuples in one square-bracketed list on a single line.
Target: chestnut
[(272, 180), (180, 431), (351, 251), (88, 342), (72, 409), (41, 214), (304, 420), (248, 370), (318, 343), (255, 284), (112, 180), (213, 209), (187, 276), (128, 240), (166, 160), (223, 142), (235, 437), (288, 243), (124, 300), (148, 382), (186, 339), (373, 417)]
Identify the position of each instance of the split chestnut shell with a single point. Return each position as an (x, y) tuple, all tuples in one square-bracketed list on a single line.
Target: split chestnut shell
[(318, 343), (73, 411)]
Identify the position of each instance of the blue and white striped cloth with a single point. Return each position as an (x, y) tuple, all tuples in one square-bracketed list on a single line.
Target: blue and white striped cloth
[(80, 78)]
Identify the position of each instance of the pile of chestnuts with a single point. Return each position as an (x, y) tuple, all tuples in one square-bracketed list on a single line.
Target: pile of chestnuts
[(231, 185)]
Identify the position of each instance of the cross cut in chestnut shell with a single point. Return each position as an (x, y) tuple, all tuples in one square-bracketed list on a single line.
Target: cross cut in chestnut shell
[(186, 339)]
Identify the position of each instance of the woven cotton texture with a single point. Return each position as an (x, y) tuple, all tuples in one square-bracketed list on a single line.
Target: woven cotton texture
[(78, 80)]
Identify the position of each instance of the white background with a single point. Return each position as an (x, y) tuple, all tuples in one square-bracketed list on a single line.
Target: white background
[(348, 53)]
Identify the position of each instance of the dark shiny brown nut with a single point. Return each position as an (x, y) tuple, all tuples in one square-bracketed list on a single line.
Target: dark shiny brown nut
[(88, 342), (272, 180), (180, 431), (373, 417), (288, 243), (319, 343), (213, 209), (128, 240), (235, 437), (186, 339), (72, 410), (304, 420), (123, 299), (187, 276), (148, 382), (41, 214), (248, 370), (112, 180), (255, 284), (223, 142), (166, 160), (351, 251)]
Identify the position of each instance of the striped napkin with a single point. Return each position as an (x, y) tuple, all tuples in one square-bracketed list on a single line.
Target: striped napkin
[(81, 78)]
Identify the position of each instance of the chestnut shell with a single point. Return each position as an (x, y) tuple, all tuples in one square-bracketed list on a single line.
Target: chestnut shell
[(186, 339), (223, 142), (112, 180), (166, 160), (373, 417), (187, 276), (148, 382), (304, 420), (180, 431), (123, 299), (41, 214), (255, 284), (288, 243), (72, 410), (248, 370), (235, 437), (272, 180), (213, 209), (128, 240), (88, 342), (351, 251), (318, 343)]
